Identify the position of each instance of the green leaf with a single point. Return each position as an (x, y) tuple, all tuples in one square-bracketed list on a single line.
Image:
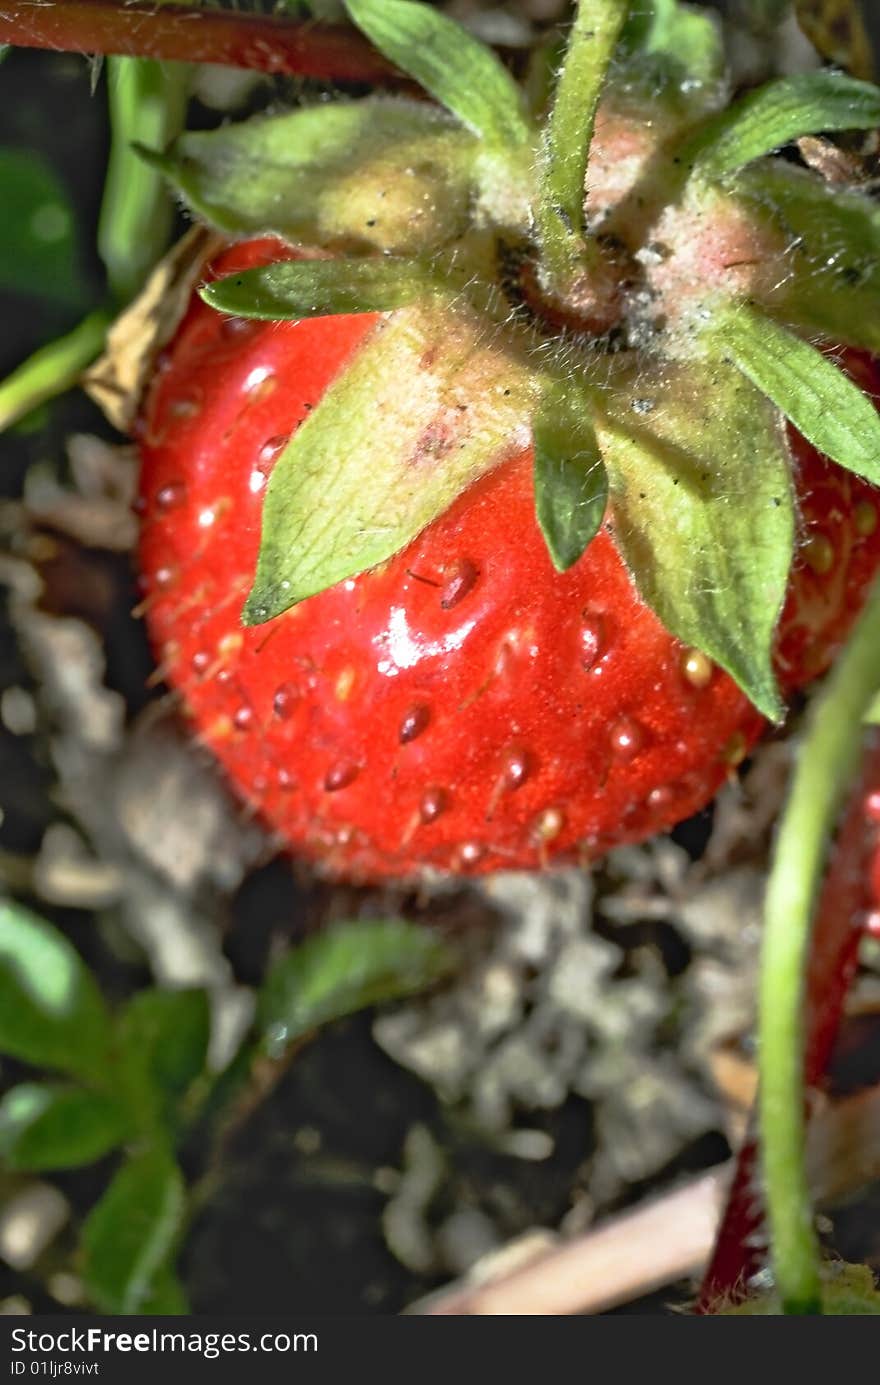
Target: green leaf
[(167, 1297), (571, 485), (687, 39), (38, 252), (162, 1043), (380, 174), (436, 403), (296, 289), (455, 68), (52, 1127), (347, 968), (51, 1012), (777, 113), (703, 512), (832, 284), (129, 1237), (822, 403)]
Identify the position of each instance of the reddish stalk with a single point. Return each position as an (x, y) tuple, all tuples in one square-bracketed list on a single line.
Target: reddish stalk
[(185, 33), (848, 896)]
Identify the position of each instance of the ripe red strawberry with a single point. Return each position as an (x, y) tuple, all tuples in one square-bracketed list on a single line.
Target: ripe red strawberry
[(463, 706)]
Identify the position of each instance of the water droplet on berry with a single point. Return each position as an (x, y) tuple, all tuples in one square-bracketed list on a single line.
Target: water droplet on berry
[(260, 383), (434, 802), (271, 449), (340, 776), (627, 738), (164, 577), (459, 581), (238, 327), (171, 495), (470, 853), (286, 780), (285, 700), (872, 806), (414, 723), (592, 639), (201, 661), (516, 768), (243, 718)]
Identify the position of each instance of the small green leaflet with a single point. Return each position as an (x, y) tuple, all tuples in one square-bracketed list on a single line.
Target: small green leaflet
[(162, 1046), (777, 113), (129, 1238), (296, 289), (822, 403), (439, 402), (379, 174), (44, 1126), (833, 286), (51, 1012), (455, 68), (706, 526), (345, 969), (571, 485), (688, 39)]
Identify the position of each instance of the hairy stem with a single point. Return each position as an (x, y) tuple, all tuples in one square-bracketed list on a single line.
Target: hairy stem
[(185, 33), (561, 225), (825, 770)]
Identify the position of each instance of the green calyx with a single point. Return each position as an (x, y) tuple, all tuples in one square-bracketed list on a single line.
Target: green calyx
[(631, 285)]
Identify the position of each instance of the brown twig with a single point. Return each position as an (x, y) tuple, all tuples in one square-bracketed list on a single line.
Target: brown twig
[(668, 1238), (186, 33)]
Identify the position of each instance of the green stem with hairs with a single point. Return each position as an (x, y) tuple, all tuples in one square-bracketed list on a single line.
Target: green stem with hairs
[(52, 369), (565, 246), (825, 769)]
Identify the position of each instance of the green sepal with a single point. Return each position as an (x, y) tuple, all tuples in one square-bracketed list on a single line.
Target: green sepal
[(296, 289), (454, 67), (703, 511), (679, 38), (832, 283), (379, 174), (776, 114), (47, 1126), (438, 402), (571, 484), (823, 404)]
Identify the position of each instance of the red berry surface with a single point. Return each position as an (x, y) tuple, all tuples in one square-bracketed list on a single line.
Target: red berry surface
[(464, 706)]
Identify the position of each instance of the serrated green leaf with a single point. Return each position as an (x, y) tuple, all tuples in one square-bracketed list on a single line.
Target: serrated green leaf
[(38, 253), (689, 40), (162, 1047), (380, 174), (348, 968), (438, 402), (832, 283), (296, 289), (705, 526), (51, 1012), (129, 1238), (46, 1127), (571, 484), (454, 67), (777, 113), (822, 403)]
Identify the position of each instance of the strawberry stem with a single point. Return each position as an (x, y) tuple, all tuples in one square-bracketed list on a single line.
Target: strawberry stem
[(52, 369), (566, 249), (825, 769), (185, 33)]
